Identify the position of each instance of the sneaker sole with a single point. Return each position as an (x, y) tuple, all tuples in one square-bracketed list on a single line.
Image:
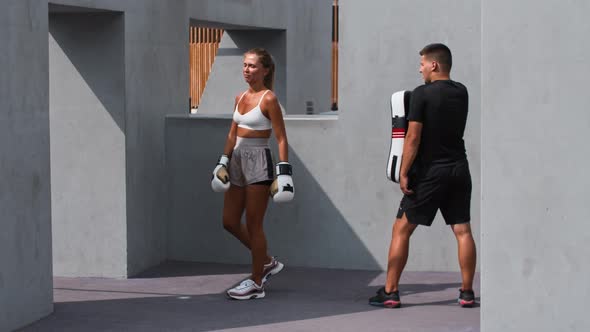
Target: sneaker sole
[(247, 297), (387, 304), (466, 304), (276, 270)]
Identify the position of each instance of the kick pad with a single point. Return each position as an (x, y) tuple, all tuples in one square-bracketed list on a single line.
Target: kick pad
[(400, 104)]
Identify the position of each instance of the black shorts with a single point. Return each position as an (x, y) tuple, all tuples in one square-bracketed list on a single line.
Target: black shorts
[(439, 186)]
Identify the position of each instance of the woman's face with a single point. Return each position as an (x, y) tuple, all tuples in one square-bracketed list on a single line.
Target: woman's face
[(253, 70)]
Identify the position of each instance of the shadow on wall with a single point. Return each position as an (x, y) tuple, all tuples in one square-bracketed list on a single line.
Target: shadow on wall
[(88, 143), (97, 52), (310, 231)]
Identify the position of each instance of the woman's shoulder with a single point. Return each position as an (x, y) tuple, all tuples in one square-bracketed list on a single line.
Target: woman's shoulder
[(269, 97), (240, 95)]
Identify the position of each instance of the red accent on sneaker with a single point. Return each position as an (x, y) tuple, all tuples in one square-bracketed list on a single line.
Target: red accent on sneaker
[(391, 304), (464, 303)]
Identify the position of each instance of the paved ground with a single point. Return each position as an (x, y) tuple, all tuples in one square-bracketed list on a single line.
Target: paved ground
[(180, 296)]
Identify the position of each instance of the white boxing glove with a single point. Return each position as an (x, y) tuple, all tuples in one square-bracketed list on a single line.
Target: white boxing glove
[(220, 179), (282, 189)]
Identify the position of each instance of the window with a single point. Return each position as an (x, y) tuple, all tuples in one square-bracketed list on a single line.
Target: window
[(203, 45), (335, 55)]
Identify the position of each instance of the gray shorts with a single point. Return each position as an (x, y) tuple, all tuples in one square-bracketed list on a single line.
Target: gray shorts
[(251, 162)]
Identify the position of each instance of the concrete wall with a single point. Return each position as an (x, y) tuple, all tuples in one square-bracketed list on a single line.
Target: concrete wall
[(156, 82), (535, 184), (121, 131), (522, 62), (25, 206), (114, 77), (309, 47), (344, 206), (370, 70), (298, 34), (343, 197), (250, 13), (314, 230), (87, 117), (155, 73)]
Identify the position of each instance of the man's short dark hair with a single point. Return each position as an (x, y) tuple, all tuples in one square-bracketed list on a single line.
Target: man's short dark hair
[(439, 53)]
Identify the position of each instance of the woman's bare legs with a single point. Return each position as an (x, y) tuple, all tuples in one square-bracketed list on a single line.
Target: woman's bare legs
[(233, 207), (256, 203)]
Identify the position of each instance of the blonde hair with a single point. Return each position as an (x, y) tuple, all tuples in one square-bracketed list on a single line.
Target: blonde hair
[(267, 62)]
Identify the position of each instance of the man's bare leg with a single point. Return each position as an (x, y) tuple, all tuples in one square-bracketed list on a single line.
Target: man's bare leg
[(398, 252), (467, 254)]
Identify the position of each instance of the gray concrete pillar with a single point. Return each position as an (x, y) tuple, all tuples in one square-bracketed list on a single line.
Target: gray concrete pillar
[(25, 208)]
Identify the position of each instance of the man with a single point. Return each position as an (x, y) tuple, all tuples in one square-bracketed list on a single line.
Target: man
[(434, 173)]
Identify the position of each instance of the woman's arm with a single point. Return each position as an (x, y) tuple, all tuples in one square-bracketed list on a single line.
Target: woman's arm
[(273, 108), (230, 142)]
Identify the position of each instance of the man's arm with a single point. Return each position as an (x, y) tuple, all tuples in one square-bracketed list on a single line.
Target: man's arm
[(411, 144)]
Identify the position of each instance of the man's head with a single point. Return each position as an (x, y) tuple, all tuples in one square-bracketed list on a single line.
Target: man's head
[(435, 62)]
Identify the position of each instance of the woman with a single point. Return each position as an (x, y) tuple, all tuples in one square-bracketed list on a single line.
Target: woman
[(256, 114)]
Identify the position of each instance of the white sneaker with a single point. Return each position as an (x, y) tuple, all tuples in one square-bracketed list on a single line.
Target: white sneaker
[(271, 269), (246, 290)]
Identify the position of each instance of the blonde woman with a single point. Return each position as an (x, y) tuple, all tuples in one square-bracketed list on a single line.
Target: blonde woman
[(245, 170)]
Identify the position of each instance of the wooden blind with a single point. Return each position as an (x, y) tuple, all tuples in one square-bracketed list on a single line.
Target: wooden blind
[(203, 45)]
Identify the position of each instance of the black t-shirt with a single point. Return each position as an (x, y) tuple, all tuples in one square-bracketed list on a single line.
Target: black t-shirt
[(441, 107)]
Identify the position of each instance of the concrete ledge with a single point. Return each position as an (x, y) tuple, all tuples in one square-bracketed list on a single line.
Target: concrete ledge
[(295, 117)]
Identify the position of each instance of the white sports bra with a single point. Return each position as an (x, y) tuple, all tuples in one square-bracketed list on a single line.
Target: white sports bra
[(254, 119)]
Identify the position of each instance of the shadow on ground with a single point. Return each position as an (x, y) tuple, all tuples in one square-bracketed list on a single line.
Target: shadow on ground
[(177, 296)]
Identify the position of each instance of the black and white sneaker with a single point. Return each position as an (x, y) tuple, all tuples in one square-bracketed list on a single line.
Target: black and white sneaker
[(271, 269), (246, 290)]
